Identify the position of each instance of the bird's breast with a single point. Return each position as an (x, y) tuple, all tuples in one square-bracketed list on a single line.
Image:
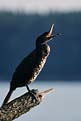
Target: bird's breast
[(38, 68)]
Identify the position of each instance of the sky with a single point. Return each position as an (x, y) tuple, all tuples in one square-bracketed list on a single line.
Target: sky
[(41, 6)]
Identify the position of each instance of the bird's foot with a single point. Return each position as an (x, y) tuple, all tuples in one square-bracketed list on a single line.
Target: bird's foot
[(34, 93)]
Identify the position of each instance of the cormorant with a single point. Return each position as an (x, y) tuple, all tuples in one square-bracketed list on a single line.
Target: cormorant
[(30, 67)]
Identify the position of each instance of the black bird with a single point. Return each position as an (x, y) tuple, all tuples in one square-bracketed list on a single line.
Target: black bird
[(28, 70)]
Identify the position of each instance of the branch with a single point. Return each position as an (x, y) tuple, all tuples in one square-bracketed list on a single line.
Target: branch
[(22, 104)]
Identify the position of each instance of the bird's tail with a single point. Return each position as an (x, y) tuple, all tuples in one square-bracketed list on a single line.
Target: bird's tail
[(7, 97)]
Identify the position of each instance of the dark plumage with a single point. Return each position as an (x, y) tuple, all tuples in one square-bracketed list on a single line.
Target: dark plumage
[(30, 67)]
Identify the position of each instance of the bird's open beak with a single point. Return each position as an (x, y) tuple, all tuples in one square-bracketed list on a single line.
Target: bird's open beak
[(50, 34)]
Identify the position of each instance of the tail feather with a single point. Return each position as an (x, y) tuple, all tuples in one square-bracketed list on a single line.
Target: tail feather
[(7, 97)]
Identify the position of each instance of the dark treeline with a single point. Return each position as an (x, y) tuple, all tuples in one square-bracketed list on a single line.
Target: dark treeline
[(18, 32)]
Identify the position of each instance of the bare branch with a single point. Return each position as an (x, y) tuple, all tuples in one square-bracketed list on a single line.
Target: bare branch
[(22, 104)]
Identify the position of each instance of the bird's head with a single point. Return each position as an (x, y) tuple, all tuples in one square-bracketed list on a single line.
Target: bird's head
[(46, 37)]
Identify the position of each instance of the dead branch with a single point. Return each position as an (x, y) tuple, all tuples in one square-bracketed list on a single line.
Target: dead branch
[(22, 104)]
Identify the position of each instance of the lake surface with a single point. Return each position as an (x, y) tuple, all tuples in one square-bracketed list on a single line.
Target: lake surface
[(62, 105)]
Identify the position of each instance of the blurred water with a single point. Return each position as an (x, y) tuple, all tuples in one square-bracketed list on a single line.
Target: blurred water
[(63, 105)]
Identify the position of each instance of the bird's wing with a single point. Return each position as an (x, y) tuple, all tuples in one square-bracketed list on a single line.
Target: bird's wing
[(25, 67)]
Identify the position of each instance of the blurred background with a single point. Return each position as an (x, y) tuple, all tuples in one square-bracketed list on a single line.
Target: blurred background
[(21, 22)]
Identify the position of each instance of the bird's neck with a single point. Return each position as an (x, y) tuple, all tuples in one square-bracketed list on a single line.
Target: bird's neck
[(43, 49)]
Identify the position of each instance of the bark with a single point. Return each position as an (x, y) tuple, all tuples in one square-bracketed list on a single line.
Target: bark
[(21, 105)]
